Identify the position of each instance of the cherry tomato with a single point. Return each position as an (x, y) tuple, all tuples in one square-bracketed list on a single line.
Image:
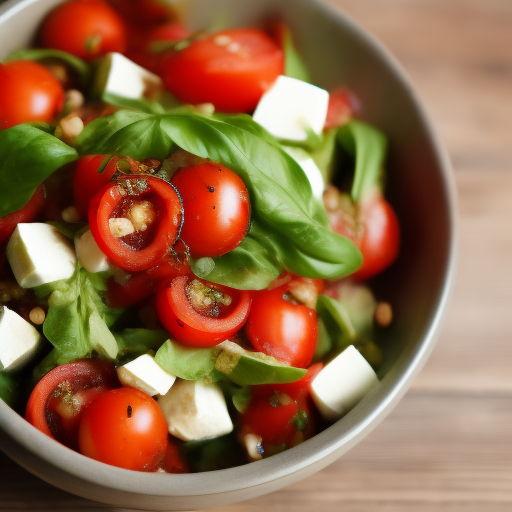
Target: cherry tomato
[(125, 428), (143, 284), (88, 181), (376, 232), (27, 213), (60, 398), (85, 28), (200, 314), (342, 104), (281, 327), (231, 69), (216, 205), (173, 460), (28, 93), (136, 220)]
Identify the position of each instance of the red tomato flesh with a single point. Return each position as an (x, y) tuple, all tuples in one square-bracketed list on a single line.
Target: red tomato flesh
[(231, 69), (125, 428), (216, 205), (178, 312)]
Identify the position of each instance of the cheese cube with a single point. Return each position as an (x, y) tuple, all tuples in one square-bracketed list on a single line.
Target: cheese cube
[(195, 410), (291, 107), (39, 254), (310, 168), (89, 254), (119, 76), (19, 340), (341, 384), (145, 374)]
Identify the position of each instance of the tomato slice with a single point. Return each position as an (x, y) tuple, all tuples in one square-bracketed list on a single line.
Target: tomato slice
[(231, 69), (282, 327), (59, 399), (136, 221), (26, 213), (201, 314)]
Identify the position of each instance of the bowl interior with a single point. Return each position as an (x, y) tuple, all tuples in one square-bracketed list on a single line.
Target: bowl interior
[(418, 285)]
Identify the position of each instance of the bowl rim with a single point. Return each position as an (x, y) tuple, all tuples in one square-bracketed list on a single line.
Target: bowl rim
[(324, 447)]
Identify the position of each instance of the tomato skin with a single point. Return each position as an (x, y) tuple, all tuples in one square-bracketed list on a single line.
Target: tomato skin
[(85, 379), (88, 181), (232, 76), (216, 205), (283, 329), (26, 213), (380, 242), (28, 93), (165, 230), (124, 428), (342, 104), (192, 328), (85, 28), (173, 460)]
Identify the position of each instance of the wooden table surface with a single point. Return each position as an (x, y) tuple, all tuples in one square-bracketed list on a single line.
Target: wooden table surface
[(448, 445)]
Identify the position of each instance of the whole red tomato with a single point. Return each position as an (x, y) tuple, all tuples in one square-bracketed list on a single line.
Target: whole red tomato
[(231, 69), (281, 327), (85, 28), (216, 205), (28, 93), (125, 428)]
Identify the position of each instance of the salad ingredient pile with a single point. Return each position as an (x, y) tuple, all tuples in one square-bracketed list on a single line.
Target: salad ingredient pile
[(187, 228)]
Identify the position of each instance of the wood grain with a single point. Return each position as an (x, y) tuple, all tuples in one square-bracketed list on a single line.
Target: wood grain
[(448, 445)]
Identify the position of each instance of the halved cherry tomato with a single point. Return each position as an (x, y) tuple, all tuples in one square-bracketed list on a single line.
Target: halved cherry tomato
[(125, 428), (143, 284), (136, 221), (216, 205), (26, 213), (60, 398), (374, 228), (85, 28), (280, 326), (201, 314), (231, 69), (28, 92), (88, 180), (342, 104)]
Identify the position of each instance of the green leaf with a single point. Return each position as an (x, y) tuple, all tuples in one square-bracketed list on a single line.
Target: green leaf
[(282, 202), (81, 68), (368, 146), (242, 398), (68, 229), (28, 155), (185, 362), (294, 66), (325, 155), (139, 341), (77, 323), (8, 388), (251, 368)]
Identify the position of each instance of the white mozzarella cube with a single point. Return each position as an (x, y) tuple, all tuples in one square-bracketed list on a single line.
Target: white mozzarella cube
[(119, 76), (89, 254), (195, 410), (291, 107), (310, 169), (39, 254), (145, 374), (341, 384), (19, 340)]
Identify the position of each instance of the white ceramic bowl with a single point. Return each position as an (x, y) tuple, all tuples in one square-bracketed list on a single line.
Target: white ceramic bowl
[(421, 187)]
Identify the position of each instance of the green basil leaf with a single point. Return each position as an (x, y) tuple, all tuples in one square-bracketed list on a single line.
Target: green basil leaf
[(251, 368), (185, 362), (68, 229), (81, 68), (325, 155), (139, 341), (28, 155), (77, 323), (368, 146), (8, 388), (294, 66)]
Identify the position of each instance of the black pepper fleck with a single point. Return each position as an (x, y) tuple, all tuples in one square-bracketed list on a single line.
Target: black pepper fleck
[(213, 207), (210, 188), (179, 322), (129, 411)]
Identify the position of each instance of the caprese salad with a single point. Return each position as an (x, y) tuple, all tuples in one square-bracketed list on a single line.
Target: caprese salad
[(187, 229)]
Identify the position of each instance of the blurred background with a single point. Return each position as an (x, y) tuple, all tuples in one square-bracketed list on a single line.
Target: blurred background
[(448, 445)]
